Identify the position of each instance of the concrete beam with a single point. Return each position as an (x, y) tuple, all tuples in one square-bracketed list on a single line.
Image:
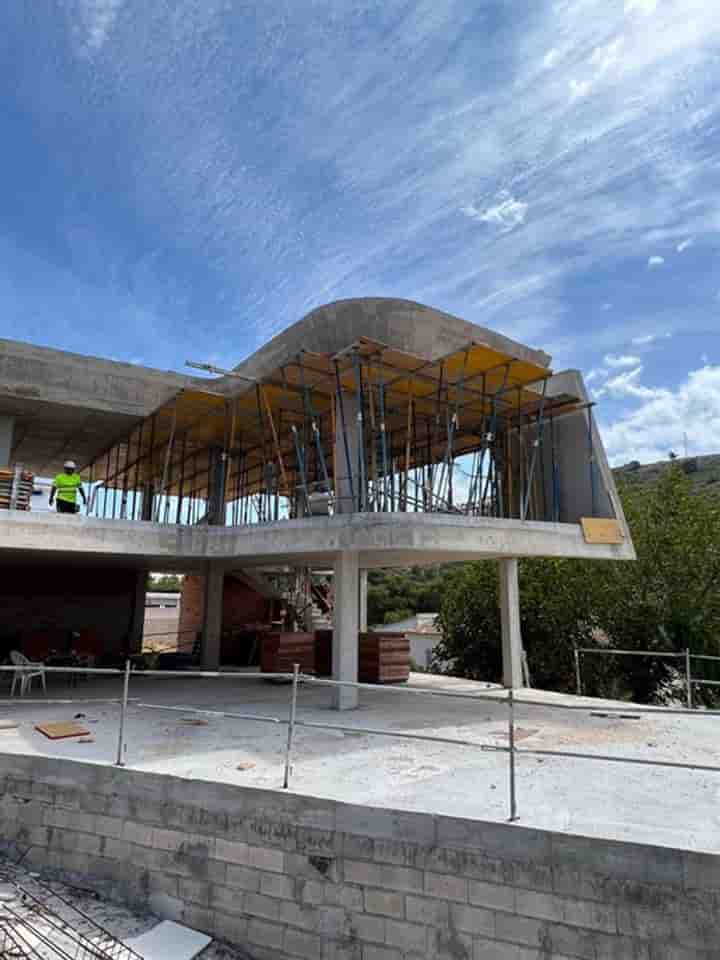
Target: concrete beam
[(212, 617), (345, 628), (398, 539), (510, 620)]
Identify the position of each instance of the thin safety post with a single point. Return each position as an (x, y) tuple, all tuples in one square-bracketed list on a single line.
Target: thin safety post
[(511, 744), (578, 679), (123, 711), (688, 678), (291, 726), (348, 463)]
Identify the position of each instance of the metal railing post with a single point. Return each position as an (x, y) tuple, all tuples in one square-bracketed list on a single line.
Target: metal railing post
[(688, 678), (511, 745), (578, 679), (291, 726), (123, 710)]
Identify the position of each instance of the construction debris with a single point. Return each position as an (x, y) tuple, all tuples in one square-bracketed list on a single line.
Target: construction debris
[(60, 731)]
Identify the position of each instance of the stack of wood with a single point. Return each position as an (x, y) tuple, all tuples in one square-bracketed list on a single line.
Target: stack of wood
[(384, 658), (16, 488), (279, 651)]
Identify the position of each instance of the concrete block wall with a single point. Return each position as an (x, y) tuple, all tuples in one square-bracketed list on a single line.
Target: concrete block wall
[(295, 878), (241, 605)]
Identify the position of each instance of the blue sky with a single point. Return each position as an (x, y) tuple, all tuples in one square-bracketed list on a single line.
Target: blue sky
[(184, 178)]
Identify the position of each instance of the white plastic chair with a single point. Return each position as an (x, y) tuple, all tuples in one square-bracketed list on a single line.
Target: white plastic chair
[(27, 672)]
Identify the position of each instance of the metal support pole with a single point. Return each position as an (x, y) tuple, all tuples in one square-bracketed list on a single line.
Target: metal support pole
[(511, 743), (123, 711), (291, 725), (688, 678), (578, 679)]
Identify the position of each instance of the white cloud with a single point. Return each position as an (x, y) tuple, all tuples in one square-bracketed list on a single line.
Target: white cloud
[(685, 245), (657, 425), (641, 6), (97, 18), (656, 261), (616, 361), (597, 373), (647, 338), (623, 385), (551, 58), (606, 307), (507, 213), (705, 360)]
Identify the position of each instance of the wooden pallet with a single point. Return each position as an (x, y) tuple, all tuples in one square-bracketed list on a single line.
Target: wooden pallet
[(384, 658), (280, 651)]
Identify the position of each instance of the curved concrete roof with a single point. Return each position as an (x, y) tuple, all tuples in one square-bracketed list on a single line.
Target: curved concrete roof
[(401, 324)]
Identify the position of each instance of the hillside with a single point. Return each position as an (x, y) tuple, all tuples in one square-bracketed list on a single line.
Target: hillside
[(704, 472)]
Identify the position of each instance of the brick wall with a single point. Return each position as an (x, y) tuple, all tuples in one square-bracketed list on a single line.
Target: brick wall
[(241, 605), (41, 605), (296, 878)]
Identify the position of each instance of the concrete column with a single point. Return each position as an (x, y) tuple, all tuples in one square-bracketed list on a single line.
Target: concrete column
[(362, 611), (510, 619), (137, 620), (212, 617), (7, 426), (345, 628), (148, 501)]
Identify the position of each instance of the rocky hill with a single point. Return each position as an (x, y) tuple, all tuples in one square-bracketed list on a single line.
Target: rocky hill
[(703, 471)]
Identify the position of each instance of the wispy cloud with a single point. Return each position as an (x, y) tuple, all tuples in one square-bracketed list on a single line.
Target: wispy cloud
[(647, 338), (97, 18), (616, 361), (656, 261), (685, 245), (507, 213)]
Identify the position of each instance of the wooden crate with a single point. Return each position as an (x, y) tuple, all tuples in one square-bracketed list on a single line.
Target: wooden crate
[(279, 651), (384, 658)]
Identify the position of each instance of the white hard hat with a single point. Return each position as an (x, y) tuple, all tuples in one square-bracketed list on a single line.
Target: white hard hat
[(70, 465)]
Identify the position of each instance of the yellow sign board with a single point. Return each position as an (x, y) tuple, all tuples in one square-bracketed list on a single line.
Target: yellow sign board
[(601, 531)]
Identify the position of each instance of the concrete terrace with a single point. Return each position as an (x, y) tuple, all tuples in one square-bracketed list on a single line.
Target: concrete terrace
[(661, 806)]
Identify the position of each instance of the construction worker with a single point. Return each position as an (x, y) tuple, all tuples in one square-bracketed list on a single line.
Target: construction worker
[(67, 485)]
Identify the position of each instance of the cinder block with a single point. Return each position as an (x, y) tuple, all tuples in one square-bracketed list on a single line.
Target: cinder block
[(364, 873), (525, 930), (427, 910), (312, 892), (167, 839), (227, 900), (445, 943), (108, 827), (401, 853), (406, 936), (341, 950), (608, 947), (299, 943), (371, 952), (380, 824), (269, 935), (343, 895), (297, 915), (701, 871), (231, 851), (200, 918), (474, 920), (367, 928), (230, 928), (495, 950), (195, 891), (385, 903), (257, 905), (491, 895), (446, 887), (265, 858), (277, 885), (331, 921), (244, 878), (569, 941), (137, 833)]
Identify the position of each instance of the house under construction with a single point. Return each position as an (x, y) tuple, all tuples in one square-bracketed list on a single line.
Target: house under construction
[(372, 433)]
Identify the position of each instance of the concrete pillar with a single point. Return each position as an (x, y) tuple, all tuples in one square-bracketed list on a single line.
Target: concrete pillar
[(212, 617), (137, 620), (7, 425), (148, 501), (510, 619), (216, 487), (362, 612), (345, 628)]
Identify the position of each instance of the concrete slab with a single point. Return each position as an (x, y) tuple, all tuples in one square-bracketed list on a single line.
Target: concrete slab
[(596, 798), (169, 941)]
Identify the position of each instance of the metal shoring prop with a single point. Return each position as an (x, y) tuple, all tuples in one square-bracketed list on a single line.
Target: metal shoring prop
[(373, 442), (408, 427), (344, 432), (490, 438), (181, 484), (168, 454), (438, 401), (278, 451), (307, 400), (555, 505), (301, 467), (456, 421), (476, 456), (362, 493), (383, 441), (536, 446)]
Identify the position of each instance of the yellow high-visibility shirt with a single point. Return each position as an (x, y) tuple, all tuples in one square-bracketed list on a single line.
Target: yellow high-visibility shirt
[(67, 485)]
